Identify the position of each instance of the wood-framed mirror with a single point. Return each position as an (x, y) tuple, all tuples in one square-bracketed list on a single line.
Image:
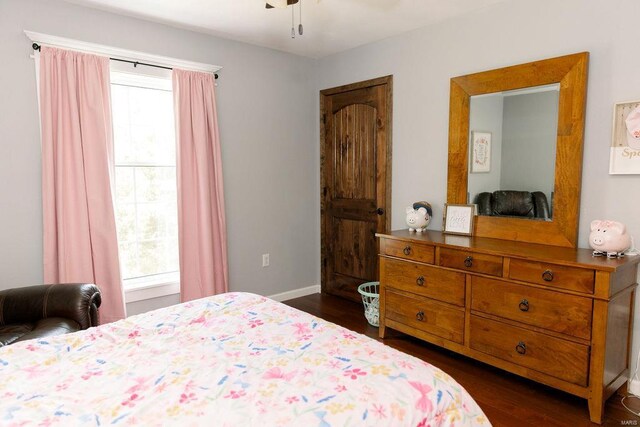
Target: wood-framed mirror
[(570, 72)]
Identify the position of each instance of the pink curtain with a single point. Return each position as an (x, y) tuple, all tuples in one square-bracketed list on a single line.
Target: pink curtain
[(80, 243), (201, 221)]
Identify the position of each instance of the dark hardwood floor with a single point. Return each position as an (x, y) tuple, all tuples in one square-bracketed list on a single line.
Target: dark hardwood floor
[(508, 400)]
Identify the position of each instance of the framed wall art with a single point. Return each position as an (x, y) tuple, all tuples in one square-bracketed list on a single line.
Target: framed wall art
[(458, 219), (625, 141), (480, 152)]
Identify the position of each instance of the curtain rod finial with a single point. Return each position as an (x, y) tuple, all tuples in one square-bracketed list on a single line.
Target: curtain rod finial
[(35, 46)]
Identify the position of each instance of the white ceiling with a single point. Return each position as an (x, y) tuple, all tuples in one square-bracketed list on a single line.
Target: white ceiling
[(330, 26)]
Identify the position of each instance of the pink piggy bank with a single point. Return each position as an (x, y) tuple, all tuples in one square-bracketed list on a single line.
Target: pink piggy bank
[(609, 237)]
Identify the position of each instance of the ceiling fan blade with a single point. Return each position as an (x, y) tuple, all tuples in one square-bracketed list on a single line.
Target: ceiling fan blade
[(280, 4)]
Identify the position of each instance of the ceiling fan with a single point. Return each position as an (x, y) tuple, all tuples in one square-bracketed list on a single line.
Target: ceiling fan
[(281, 4)]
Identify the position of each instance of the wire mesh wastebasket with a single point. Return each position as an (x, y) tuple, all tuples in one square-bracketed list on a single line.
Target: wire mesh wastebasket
[(371, 300)]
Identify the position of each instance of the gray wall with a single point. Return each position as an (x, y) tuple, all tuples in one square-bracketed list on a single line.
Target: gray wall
[(508, 33), (486, 114), (267, 116), (529, 134), (137, 307)]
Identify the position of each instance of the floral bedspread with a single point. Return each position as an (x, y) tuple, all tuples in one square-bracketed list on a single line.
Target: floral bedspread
[(230, 360)]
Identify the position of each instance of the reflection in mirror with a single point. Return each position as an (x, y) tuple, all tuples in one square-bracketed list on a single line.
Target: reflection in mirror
[(517, 179)]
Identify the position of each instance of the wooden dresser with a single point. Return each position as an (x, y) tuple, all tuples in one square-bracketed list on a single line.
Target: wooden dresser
[(555, 315)]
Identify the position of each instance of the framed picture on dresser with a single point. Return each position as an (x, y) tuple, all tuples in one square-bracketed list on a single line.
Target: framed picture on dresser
[(458, 219)]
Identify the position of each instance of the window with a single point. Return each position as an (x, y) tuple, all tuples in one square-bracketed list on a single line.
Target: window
[(145, 176)]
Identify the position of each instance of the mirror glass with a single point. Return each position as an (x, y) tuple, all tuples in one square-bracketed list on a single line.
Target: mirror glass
[(512, 148)]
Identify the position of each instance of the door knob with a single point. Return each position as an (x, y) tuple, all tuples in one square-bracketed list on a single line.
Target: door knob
[(378, 211)]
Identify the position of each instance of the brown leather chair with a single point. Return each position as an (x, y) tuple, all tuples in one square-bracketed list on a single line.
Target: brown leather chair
[(45, 310), (513, 203)]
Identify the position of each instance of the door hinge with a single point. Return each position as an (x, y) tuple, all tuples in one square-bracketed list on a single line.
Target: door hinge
[(324, 119)]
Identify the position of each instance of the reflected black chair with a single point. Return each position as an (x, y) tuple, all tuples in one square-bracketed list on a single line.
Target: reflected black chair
[(513, 203)]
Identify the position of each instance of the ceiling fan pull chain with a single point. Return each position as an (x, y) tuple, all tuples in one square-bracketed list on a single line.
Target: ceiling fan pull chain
[(293, 31), (300, 30)]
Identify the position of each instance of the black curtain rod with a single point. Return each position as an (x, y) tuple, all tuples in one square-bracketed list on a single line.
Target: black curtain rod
[(36, 46)]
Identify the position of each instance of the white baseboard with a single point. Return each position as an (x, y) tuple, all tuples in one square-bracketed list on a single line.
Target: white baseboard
[(634, 387), (296, 293)]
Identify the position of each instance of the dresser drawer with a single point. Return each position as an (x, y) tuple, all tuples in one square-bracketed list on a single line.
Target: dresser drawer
[(426, 315), (432, 282), (576, 279), (567, 314), (553, 356), (408, 250), (471, 261)]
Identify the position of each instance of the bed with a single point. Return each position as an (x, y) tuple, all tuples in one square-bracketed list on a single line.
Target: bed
[(229, 360)]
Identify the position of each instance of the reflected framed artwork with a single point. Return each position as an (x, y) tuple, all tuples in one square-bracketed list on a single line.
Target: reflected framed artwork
[(625, 141), (480, 152), (458, 219)]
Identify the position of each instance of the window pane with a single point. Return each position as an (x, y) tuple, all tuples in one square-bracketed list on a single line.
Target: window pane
[(125, 185), (152, 126), (123, 148), (128, 259), (155, 184), (151, 224), (172, 221), (146, 196), (153, 257), (173, 255), (126, 222)]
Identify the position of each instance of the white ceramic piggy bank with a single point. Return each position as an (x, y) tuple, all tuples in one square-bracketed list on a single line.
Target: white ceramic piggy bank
[(609, 237), (417, 219)]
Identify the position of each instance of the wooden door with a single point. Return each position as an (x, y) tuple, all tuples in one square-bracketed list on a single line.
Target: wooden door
[(355, 169)]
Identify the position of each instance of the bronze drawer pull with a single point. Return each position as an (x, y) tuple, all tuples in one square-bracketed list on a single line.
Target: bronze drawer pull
[(420, 315), (407, 250), (468, 261), (521, 348), (547, 275), (420, 281), (524, 305)]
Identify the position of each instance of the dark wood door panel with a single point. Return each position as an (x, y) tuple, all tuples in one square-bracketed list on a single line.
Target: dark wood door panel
[(360, 210), (354, 152), (353, 244), (355, 177)]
